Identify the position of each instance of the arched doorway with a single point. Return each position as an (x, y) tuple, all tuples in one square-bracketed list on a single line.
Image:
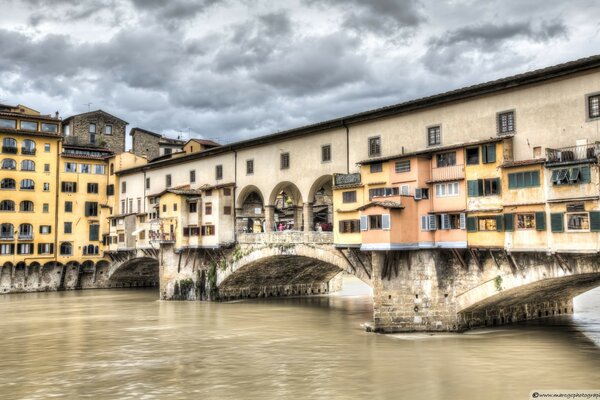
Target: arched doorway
[(250, 211), (320, 204), (286, 202)]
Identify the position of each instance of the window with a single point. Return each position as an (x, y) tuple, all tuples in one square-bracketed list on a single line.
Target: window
[(164, 208), (284, 162), (226, 191), (593, 105), (123, 187), (421, 193), (578, 221), (434, 135), (27, 165), (168, 180), (130, 205), (26, 231), (68, 206), (8, 163), (90, 250), (227, 210), (193, 207), (25, 248), (374, 146), (7, 249), (121, 237), (9, 146), (193, 176), (70, 167), (349, 197), (349, 226), (487, 223), (27, 184), (26, 206), (99, 169), (68, 187), (7, 205), (219, 172), (29, 125), (208, 230), (7, 231), (46, 167), (525, 221), (139, 205), (47, 147), (208, 193), (45, 208), (45, 248), (94, 232), (51, 128), (85, 168), (45, 229), (569, 176), (174, 206), (110, 190), (374, 168), (525, 179), (108, 129), (380, 192), (28, 147), (404, 190), (484, 187), (488, 153), (92, 128), (446, 159), (446, 189), (168, 150), (403, 166), (473, 156), (8, 183), (66, 249), (68, 227), (46, 187), (375, 222), (147, 183), (249, 167), (506, 122), (92, 187), (326, 153), (8, 123), (208, 209)]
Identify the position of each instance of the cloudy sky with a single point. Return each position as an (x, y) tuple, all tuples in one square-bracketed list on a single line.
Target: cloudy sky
[(233, 69)]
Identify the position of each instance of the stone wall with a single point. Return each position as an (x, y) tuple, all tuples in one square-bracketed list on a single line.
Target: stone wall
[(80, 131), (145, 144)]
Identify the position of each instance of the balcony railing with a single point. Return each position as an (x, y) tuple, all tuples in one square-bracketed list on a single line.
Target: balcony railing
[(28, 152), (286, 237), (450, 173), (25, 236), (574, 153), (9, 150), (7, 237)]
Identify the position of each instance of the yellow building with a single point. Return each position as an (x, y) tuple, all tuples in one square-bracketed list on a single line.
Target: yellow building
[(28, 181)]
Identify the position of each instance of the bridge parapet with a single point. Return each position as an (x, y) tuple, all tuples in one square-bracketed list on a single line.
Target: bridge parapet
[(285, 237)]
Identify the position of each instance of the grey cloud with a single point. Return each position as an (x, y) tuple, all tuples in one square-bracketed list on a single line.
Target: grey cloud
[(172, 11)]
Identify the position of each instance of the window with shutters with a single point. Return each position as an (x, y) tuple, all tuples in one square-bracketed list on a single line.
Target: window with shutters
[(578, 221), (249, 167), (434, 135), (402, 166), (505, 122), (45, 229), (92, 187), (326, 153), (374, 168), (208, 230), (7, 249), (571, 176), (68, 187), (45, 248), (193, 207), (487, 224), (70, 167), (349, 226), (91, 209), (488, 153), (94, 232), (526, 221), (349, 197), (208, 209), (375, 222), (484, 187), (25, 248), (472, 156), (404, 190), (364, 222), (593, 106), (421, 193), (374, 146), (525, 179)]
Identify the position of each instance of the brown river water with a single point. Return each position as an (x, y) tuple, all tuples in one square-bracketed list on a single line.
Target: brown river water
[(124, 344)]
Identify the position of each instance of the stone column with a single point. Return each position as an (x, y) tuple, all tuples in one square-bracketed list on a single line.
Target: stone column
[(307, 214), (297, 218), (269, 218)]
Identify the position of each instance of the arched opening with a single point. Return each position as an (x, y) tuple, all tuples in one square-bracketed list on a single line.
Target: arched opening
[(137, 272), (287, 202), (320, 199), (250, 212)]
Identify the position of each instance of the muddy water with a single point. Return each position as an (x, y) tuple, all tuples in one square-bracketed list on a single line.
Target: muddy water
[(123, 344)]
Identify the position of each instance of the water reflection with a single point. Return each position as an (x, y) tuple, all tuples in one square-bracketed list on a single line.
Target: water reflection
[(124, 344)]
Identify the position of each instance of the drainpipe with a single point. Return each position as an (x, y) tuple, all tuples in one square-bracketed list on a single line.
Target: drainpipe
[(234, 195), (56, 205), (347, 146)]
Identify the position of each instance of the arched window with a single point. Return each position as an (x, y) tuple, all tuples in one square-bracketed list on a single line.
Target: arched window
[(9, 163), (25, 231), (9, 145), (26, 206), (7, 231), (8, 183), (66, 249), (27, 165), (28, 147), (27, 184), (7, 205)]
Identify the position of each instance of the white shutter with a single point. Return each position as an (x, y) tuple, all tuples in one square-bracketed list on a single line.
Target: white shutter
[(445, 221), (385, 222), (424, 223), (363, 223), (432, 222), (404, 190), (418, 194), (463, 221)]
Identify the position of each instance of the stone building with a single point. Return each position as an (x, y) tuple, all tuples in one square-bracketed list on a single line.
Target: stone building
[(96, 129), (153, 145)]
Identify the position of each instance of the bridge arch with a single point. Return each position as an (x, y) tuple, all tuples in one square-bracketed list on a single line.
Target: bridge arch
[(137, 271)]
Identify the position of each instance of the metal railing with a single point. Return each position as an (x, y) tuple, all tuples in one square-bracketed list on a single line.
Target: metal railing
[(28, 152), (25, 236), (449, 173), (573, 153), (9, 150)]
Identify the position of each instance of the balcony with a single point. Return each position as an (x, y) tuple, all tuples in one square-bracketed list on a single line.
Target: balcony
[(25, 236), (588, 152), (9, 150), (7, 237), (27, 152), (450, 173)]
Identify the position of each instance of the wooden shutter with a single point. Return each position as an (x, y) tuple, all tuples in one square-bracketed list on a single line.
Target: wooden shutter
[(385, 222), (557, 222), (535, 178), (445, 219), (499, 223), (540, 221), (94, 232), (595, 221), (463, 221), (509, 222), (499, 186), (489, 153), (585, 175), (432, 222), (471, 224), (418, 194), (424, 223), (472, 188), (364, 222), (512, 181)]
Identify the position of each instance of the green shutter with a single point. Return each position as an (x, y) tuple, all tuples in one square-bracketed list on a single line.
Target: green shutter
[(595, 221), (471, 224), (512, 181), (500, 223), (472, 189), (557, 222), (499, 185), (489, 153), (535, 178), (94, 232), (540, 221), (509, 222), (585, 175), (526, 179)]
